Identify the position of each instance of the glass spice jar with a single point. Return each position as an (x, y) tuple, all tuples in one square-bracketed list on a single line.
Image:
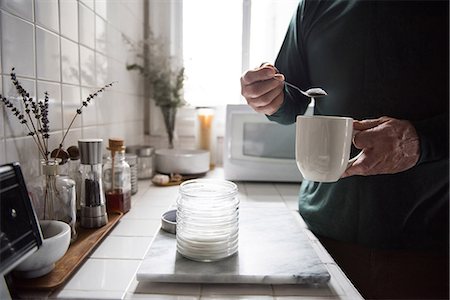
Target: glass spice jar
[(145, 160), (117, 178)]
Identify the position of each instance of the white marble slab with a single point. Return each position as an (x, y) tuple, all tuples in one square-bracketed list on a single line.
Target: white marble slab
[(273, 249)]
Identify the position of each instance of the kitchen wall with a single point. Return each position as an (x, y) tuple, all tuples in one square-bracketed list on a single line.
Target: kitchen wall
[(70, 48)]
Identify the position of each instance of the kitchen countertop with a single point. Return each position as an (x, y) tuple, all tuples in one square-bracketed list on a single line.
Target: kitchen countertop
[(110, 270)]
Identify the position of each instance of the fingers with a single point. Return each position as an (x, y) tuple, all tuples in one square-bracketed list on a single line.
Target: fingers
[(370, 123), (368, 132), (263, 89), (388, 148), (259, 74)]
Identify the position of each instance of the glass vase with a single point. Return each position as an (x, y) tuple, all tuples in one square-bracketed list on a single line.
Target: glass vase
[(54, 196)]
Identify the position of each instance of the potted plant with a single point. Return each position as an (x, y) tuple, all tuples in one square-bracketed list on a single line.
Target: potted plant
[(165, 81)]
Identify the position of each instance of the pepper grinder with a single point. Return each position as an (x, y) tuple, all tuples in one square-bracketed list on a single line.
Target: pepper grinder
[(93, 208)]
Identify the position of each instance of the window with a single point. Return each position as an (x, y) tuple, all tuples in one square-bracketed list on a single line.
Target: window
[(222, 39), (216, 41)]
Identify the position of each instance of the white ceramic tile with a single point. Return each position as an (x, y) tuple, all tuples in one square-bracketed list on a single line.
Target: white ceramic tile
[(261, 189), (71, 99), (17, 45), (47, 55), (103, 275), (11, 124), (303, 290), (86, 26), (186, 289), (81, 294), (288, 189), (21, 8), (69, 19), (100, 34), (123, 247), (101, 8), (213, 290), (70, 62), (47, 14), (159, 297), (136, 228), (101, 63), (90, 132), (55, 109), (25, 151), (291, 202), (87, 67), (89, 3), (145, 211)]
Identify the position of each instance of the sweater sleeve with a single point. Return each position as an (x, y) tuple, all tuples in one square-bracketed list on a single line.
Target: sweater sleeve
[(291, 62), (434, 138)]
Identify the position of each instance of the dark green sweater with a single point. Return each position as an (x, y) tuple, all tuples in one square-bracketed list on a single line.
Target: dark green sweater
[(375, 58)]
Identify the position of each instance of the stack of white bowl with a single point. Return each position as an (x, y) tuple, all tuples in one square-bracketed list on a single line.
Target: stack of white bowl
[(207, 219)]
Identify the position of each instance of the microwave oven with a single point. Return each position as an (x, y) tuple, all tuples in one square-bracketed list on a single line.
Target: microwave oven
[(257, 149)]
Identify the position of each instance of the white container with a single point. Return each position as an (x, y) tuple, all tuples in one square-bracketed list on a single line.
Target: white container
[(182, 161)]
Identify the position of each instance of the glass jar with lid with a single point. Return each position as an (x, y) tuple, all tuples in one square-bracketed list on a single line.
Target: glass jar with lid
[(207, 219), (117, 178)]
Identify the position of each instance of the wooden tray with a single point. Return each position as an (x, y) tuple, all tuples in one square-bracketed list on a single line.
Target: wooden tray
[(87, 240)]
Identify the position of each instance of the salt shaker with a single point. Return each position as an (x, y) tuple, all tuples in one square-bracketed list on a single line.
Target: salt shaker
[(92, 201)]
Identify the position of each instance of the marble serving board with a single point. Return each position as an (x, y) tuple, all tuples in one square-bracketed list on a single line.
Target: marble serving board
[(273, 249)]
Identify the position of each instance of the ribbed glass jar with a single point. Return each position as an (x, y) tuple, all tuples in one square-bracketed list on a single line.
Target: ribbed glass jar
[(207, 219)]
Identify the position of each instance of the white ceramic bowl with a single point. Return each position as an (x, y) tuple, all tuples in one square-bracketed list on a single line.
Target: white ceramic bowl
[(182, 161), (55, 244)]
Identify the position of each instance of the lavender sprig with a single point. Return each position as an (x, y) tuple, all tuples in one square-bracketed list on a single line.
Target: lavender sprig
[(35, 118)]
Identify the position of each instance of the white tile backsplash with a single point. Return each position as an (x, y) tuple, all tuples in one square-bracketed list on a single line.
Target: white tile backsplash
[(87, 66), (20, 8), (86, 26), (70, 61), (100, 34), (47, 55), (69, 48), (17, 45), (47, 14), (69, 19)]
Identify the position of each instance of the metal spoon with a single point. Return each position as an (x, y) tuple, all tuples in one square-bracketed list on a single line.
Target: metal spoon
[(311, 93)]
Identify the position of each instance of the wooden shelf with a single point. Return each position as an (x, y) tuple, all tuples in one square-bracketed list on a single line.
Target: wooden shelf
[(87, 240)]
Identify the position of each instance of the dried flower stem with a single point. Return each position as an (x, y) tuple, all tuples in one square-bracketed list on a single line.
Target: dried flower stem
[(36, 114)]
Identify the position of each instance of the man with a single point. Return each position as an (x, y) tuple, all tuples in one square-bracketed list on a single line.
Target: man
[(384, 63)]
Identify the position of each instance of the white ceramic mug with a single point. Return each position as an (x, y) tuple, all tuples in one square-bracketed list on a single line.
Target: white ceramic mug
[(322, 147)]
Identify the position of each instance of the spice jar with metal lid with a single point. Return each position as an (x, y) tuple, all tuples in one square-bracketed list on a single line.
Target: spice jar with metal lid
[(117, 178), (92, 201), (145, 160)]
